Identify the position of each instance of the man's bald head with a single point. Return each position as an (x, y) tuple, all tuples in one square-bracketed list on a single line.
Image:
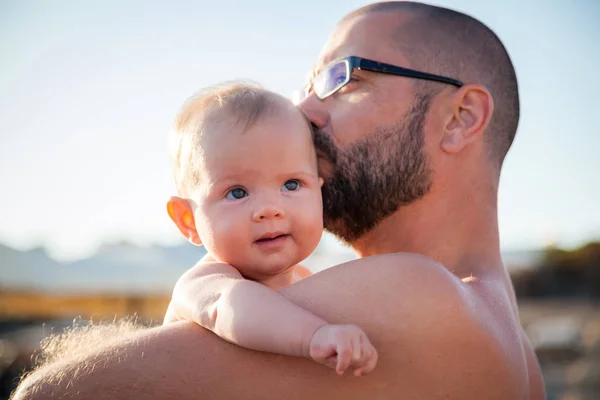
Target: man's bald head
[(448, 43)]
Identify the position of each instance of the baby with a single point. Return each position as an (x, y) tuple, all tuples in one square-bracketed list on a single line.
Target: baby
[(246, 173)]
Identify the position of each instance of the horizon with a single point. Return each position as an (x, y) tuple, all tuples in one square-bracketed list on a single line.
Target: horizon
[(85, 111), (327, 246)]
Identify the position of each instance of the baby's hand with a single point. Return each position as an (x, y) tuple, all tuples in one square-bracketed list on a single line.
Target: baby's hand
[(343, 346)]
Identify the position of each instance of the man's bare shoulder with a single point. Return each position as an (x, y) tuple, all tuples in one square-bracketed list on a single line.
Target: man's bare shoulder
[(421, 315), (394, 265), (389, 279), (431, 341)]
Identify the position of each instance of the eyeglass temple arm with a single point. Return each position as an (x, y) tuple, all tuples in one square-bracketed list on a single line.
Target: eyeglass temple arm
[(373, 66)]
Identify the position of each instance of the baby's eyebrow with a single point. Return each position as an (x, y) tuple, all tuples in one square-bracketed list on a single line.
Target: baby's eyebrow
[(305, 174), (220, 183)]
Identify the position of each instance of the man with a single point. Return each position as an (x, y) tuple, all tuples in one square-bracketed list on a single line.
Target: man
[(411, 160)]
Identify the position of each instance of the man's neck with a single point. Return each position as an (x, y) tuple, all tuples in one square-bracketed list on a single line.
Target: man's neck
[(461, 233)]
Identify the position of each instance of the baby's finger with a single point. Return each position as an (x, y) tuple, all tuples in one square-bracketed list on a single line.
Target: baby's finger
[(367, 349), (344, 357), (331, 362), (359, 366), (369, 365), (356, 348)]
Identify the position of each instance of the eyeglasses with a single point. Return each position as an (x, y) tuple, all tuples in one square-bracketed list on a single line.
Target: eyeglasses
[(337, 74)]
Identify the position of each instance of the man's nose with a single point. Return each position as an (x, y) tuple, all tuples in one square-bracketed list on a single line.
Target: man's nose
[(268, 211), (314, 110)]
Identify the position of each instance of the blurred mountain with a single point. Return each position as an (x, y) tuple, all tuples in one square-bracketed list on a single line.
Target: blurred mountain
[(126, 268), (34, 269), (115, 268)]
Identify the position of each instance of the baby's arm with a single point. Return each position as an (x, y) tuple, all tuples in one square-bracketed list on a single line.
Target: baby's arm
[(247, 313)]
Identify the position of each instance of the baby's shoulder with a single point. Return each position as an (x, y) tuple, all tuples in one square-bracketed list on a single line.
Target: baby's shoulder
[(206, 268), (300, 272)]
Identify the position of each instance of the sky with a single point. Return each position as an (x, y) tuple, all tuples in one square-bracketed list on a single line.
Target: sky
[(88, 91)]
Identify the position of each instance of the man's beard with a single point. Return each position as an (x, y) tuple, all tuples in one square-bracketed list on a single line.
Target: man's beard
[(374, 176)]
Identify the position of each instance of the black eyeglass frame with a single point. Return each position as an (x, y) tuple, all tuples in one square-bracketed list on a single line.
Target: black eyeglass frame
[(355, 62)]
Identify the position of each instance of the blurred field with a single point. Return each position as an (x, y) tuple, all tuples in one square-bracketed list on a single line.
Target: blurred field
[(26, 318), (23, 305), (566, 336)]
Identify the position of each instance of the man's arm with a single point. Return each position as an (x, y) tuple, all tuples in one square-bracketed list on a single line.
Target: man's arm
[(430, 344)]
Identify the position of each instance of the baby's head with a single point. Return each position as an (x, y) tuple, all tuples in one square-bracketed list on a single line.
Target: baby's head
[(246, 173)]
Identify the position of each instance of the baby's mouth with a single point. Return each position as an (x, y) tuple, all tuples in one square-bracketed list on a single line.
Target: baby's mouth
[(271, 236), (272, 242)]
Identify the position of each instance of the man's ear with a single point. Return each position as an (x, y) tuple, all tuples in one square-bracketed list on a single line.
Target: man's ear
[(182, 215), (472, 109)]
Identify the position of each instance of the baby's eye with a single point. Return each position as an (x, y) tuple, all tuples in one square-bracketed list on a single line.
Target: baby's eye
[(236, 194), (291, 185)]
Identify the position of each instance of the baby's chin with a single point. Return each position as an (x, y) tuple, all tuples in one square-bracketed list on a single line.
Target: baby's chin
[(268, 268), (279, 281), (267, 272)]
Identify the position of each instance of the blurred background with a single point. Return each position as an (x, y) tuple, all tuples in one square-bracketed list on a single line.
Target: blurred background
[(88, 91)]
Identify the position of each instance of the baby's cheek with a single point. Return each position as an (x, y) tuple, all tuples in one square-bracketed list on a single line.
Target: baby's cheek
[(227, 239), (312, 225), (317, 212), (217, 232)]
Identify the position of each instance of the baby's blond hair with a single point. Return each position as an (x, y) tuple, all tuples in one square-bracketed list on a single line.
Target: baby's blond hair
[(236, 102)]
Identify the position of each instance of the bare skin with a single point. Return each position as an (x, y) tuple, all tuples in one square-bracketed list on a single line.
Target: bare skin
[(444, 321), (472, 356), (258, 183)]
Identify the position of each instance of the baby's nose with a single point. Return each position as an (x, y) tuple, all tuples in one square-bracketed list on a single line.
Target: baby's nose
[(267, 212)]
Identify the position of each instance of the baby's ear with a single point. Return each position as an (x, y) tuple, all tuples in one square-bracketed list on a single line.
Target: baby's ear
[(182, 215), (320, 182)]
